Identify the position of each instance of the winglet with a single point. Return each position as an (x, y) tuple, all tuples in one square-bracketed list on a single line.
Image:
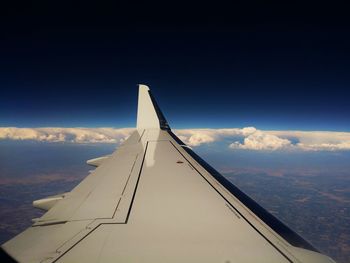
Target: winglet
[(149, 115)]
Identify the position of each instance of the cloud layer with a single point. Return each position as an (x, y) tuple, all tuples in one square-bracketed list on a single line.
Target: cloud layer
[(74, 135), (259, 140), (248, 138)]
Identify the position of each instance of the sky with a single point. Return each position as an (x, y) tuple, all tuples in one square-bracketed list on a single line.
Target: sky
[(260, 90), (274, 66)]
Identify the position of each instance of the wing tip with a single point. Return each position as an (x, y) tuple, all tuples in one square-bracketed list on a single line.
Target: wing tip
[(149, 115), (143, 87), (146, 114)]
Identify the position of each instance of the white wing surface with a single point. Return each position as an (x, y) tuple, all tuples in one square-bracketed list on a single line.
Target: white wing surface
[(155, 200)]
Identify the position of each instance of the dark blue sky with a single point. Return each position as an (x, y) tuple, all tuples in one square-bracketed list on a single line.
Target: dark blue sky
[(272, 66)]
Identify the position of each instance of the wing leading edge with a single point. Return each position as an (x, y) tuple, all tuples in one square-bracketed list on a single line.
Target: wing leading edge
[(155, 200)]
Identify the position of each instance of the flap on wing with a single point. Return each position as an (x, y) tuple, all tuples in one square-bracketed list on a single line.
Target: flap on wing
[(101, 193)]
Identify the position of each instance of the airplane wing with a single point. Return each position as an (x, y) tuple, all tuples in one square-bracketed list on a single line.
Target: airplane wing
[(155, 200)]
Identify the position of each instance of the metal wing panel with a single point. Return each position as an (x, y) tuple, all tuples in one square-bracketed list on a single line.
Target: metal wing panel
[(98, 195), (175, 217), (180, 213)]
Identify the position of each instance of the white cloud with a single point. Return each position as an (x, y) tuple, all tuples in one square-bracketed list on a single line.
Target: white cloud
[(74, 135), (196, 137), (317, 140), (261, 141), (248, 138)]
